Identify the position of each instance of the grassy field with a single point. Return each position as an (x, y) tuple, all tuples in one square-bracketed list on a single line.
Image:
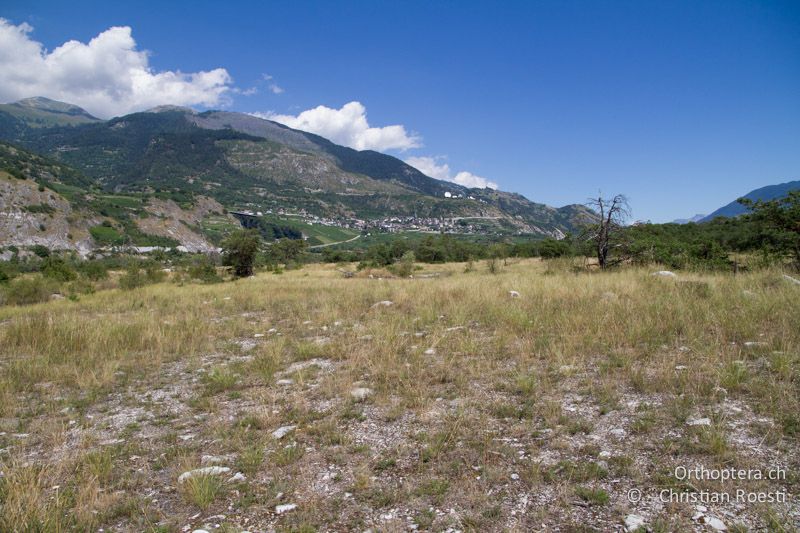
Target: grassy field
[(316, 233), (459, 405)]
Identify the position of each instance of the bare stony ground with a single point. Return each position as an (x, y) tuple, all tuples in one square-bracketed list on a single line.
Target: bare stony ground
[(457, 407)]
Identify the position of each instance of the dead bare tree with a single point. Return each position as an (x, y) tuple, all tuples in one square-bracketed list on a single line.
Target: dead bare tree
[(613, 214)]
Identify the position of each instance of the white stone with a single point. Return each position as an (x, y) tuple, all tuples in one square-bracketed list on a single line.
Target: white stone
[(360, 393), (681, 367), (664, 273), (715, 523), (698, 422), (238, 476), (430, 351), (513, 294), (285, 508), (285, 382), (207, 471), (283, 431), (790, 279), (633, 522), (383, 303), (258, 335)]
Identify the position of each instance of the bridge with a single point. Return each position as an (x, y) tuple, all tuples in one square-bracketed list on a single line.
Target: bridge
[(247, 220)]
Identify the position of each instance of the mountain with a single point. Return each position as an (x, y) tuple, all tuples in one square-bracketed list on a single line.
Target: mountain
[(696, 218), (245, 162), (770, 192), (48, 203), (40, 112)]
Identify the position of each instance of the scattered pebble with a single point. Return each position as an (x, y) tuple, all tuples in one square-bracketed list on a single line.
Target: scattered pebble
[(283, 431), (698, 422), (633, 522), (285, 508)]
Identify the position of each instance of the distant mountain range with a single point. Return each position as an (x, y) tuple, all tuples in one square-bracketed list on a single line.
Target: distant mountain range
[(239, 161), (770, 192), (696, 218)]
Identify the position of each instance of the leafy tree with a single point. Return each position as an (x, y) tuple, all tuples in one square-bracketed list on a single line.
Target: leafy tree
[(240, 249), (779, 219), (287, 251)]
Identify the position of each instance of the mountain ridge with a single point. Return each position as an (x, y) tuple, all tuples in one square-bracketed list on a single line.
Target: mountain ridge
[(247, 162), (768, 192)]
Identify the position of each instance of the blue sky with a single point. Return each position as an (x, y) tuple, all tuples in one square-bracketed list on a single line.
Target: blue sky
[(682, 106)]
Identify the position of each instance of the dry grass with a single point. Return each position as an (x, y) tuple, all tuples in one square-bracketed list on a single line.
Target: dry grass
[(479, 401)]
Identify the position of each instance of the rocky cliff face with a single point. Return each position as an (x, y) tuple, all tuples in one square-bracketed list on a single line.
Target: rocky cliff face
[(30, 216)]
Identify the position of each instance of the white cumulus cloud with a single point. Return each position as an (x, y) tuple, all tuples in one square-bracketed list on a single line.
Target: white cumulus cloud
[(435, 168), (107, 76), (273, 87), (348, 126)]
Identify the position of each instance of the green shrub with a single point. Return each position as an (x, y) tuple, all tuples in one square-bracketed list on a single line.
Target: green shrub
[(40, 250), (28, 290), (405, 265), (204, 269), (93, 270), (57, 269), (133, 278), (7, 273)]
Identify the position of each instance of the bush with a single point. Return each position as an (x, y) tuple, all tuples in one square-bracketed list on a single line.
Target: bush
[(405, 265), (204, 269), (93, 270), (29, 290), (132, 278), (57, 269), (136, 277), (40, 250), (7, 273)]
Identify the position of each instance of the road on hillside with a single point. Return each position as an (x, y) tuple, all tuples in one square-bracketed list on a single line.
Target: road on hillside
[(333, 243)]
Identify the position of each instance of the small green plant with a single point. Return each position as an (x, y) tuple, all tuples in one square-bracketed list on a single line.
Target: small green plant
[(202, 490), (592, 496), (220, 379), (287, 455)]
